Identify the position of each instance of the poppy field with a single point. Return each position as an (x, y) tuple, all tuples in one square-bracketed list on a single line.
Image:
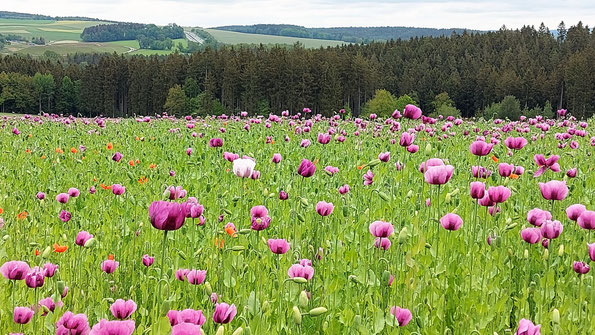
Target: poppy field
[(296, 224)]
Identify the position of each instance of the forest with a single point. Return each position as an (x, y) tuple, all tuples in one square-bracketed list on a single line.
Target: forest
[(149, 36), (502, 73), (347, 34)]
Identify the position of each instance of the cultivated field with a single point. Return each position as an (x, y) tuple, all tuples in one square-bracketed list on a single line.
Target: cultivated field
[(231, 37), (289, 225)]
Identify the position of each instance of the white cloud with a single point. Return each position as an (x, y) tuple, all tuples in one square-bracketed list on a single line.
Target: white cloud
[(487, 14)]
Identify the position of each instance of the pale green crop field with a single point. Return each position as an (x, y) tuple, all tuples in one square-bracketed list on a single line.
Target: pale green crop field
[(50, 30), (231, 37)]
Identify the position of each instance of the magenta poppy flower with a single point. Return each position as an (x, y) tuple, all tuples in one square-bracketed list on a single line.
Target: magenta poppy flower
[(277, 158), (551, 229), (35, 278), (571, 173), (480, 148), (480, 172), (283, 195), (538, 216), (185, 329), (22, 315), (65, 216), (175, 192), (122, 309), (451, 221), (109, 266), (439, 175), (118, 189), (306, 168), (215, 142), (344, 189), (587, 220), (402, 315), (196, 277), (73, 192), (591, 251), (384, 156), (148, 260), (406, 139), (477, 190), (324, 208), (278, 246), (105, 327), (224, 313), (381, 229), (82, 237), (554, 190), (498, 194), (368, 178), (424, 166), (190, 316), (15, 270), (181, 274), (382, 243), (40, 195), (505, 169), (230, 156), (412, 112), (580, 267), (324, 138), (189, 151), (412, 148), (117, 157), (255, 175), (544, 164), (62, 198), (165, 215), (527, 327), (301, 270), (73, 324), (531, 235), (331, 170), (49, 270)]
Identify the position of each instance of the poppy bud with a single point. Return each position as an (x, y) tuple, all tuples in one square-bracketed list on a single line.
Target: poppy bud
[(220, 331), (303, 299), (546, 254), (317, 311), (403, 235), (238, 331), (556, 316), (297, 315), (561, 250), (526, 254), (428, 149), (46, 252), (208, 288)]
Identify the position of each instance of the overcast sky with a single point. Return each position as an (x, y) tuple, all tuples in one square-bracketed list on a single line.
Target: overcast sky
[(477, 14)]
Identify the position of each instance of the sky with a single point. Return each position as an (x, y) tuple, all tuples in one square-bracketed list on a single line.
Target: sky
[(478, 14)]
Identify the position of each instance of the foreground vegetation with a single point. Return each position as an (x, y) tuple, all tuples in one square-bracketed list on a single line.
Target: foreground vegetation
[(352, 238)]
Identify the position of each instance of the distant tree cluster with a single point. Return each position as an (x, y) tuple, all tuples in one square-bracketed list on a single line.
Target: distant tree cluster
[(347, 34), (149, 36), (501, 74), (26, 16)]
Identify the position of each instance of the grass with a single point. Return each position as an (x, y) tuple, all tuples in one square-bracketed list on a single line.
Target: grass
[(231, 37), (48, 29)]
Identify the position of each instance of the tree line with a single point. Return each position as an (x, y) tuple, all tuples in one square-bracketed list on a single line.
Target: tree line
[(475, 71), (149, 36), (346, 34)]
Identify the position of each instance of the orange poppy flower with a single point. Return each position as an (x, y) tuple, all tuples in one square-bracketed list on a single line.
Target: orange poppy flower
[(28, 151), (226, 170), (131, 162), (231, 232), (106, 187), (137, 161), (225, 123), (273, 141), (142, 180), (60, 151), (1, 210), (73, 150), (36, 252), (152, 166), (110, 146), (495, 159), (219, 243), (42, 156), (137, 138), (360, 167), (315, 161), (22, 215), (30, 135), (110, 257), (514, 176), (60, 248)]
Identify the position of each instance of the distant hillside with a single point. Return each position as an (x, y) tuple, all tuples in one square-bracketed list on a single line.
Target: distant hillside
[(347, 34), (26, 16)]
